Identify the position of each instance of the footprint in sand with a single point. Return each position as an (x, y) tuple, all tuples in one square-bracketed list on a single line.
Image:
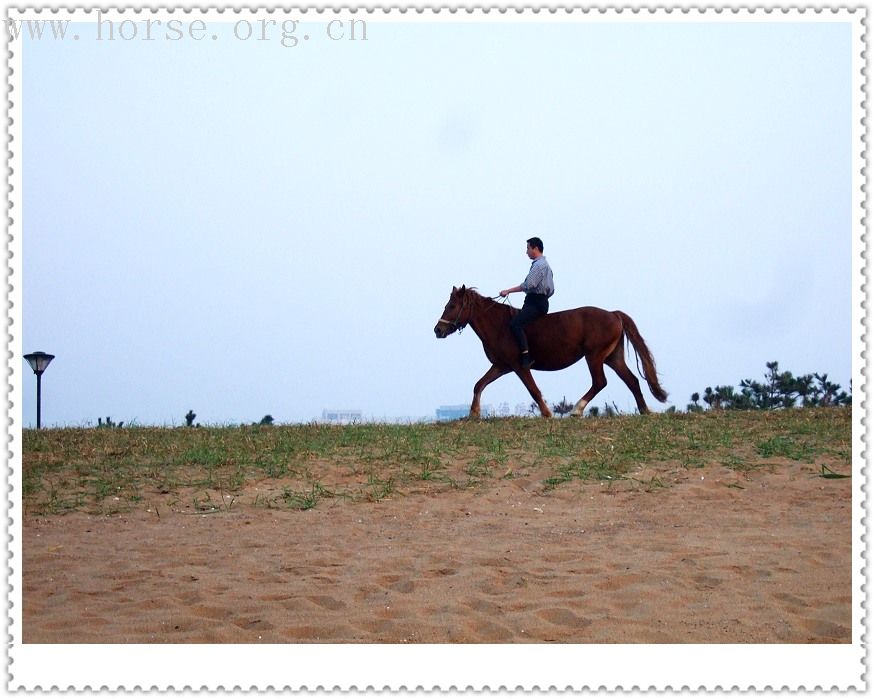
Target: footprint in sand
[(489, 632), (561, 616), (211, 612), (397, 584), (254, 624), (827, 630), (706, 582), (377, 626), (405, 586), (620, 581), (328, 603), (790, 602), (483, 606), (317, 633), (503, 582)]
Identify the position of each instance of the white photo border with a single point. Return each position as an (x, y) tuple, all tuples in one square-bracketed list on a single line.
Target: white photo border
[(443, 667)]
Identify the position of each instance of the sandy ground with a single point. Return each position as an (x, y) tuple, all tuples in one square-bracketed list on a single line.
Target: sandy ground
[(714, 557)]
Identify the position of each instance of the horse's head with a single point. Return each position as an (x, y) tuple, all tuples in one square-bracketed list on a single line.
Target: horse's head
[(456, 314)]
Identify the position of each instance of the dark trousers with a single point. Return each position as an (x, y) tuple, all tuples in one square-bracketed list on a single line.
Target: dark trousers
[(535, 305)]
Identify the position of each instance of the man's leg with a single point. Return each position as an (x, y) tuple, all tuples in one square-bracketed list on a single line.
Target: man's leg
[(531, 310), (517, 328)]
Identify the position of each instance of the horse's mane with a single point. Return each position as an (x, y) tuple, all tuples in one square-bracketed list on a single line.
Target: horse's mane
[(467, 291), (472, 291)]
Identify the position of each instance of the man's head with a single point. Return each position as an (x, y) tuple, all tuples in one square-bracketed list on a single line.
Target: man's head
[(535, 247)]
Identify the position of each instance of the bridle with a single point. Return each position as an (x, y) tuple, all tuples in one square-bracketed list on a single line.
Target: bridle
[(456, 326)]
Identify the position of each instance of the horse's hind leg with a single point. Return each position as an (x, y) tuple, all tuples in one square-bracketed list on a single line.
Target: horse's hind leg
[(495, 372), (616, 361), (599, 381)]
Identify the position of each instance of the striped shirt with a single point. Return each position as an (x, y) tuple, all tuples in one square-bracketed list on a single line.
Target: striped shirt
[(539, 279)]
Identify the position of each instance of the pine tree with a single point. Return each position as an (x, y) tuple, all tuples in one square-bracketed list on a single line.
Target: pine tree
[(780, 389)]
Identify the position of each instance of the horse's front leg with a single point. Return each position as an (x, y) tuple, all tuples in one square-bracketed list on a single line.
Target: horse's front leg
[(495, 372), (528, 380)]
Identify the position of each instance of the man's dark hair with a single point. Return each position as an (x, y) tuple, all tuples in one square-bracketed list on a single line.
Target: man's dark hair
[(535, 243)]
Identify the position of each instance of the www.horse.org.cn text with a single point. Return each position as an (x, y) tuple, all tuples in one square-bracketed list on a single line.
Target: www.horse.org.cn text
[(288, 33)]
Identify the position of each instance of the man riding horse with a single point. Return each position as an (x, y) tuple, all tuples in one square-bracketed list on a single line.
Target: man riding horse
[(538, 287), (557, 340)]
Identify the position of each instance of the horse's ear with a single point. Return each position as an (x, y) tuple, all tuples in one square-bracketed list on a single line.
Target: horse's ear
[(454, 289), (462, 287)]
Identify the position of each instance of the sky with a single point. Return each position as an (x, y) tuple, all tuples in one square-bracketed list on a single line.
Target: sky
[(241, 228)]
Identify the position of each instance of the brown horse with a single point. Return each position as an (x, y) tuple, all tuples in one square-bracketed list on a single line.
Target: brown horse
[(556, 340)]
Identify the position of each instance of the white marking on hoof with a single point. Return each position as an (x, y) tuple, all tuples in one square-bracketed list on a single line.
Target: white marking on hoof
[(579, 408)]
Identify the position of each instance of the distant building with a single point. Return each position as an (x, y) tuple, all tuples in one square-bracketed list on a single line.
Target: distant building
[(452, 412), (342, 417)]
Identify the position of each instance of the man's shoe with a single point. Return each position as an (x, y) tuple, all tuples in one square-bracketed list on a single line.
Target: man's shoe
[(527, 362)]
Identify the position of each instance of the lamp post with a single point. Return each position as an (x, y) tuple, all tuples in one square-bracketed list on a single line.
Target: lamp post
[(39, 362)]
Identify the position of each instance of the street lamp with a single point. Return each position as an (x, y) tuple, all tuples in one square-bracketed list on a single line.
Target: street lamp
[(39, 362)]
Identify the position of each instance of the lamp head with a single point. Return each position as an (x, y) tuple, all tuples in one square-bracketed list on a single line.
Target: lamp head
[(39, 361)]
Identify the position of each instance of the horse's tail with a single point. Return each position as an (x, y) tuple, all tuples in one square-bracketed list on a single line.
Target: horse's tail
[(633, 335)]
